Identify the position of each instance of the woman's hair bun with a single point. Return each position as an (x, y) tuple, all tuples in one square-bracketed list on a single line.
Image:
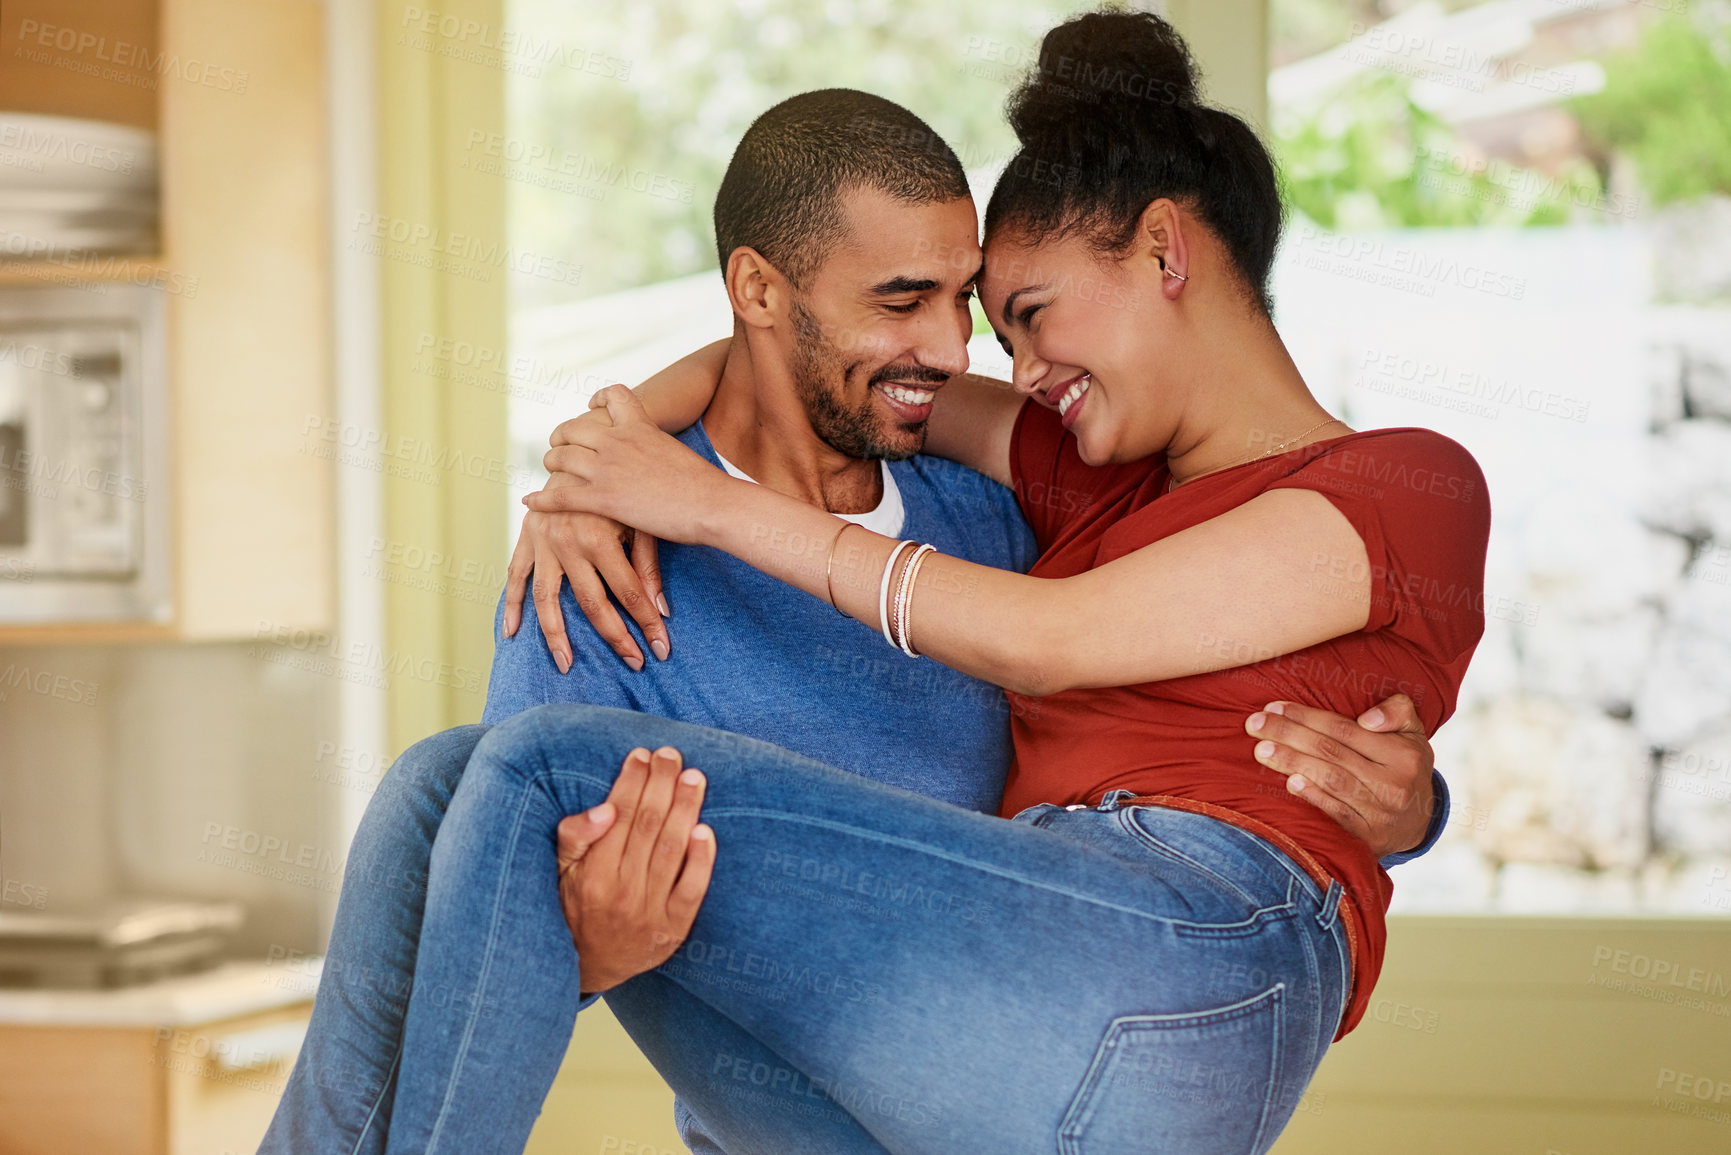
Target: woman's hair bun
[(1113, 63), (1109, 122)]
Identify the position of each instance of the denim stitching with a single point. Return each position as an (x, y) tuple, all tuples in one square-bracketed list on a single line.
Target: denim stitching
[(487, 959), (373, 1112), (1073, 1127), (1153, 841)]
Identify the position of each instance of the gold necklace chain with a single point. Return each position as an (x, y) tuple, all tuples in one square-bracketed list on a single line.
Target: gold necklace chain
[(1173, 482)]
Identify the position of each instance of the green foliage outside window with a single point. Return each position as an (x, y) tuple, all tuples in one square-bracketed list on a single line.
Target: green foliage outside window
[(1370, 158), (637, 126), (1667, 105)]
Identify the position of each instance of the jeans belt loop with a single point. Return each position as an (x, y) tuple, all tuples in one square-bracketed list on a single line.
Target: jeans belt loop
[(1114, 797), (1330, 912)]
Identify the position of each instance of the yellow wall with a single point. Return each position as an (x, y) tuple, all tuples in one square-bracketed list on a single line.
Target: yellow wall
[(443, 281), (1570, 1036)]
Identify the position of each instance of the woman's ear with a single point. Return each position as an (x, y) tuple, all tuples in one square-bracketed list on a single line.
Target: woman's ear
[(1160, 239), (756, 288)]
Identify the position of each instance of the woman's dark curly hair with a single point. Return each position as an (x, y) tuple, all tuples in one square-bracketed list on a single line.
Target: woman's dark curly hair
[(1109, 121)]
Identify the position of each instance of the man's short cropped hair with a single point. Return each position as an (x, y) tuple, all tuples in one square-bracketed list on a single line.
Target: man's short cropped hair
[(783, 189)]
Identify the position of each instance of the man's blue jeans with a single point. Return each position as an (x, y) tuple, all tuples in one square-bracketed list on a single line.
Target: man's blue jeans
[(872, 970)]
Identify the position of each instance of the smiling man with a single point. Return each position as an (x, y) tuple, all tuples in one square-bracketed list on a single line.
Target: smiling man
[(848, 244)]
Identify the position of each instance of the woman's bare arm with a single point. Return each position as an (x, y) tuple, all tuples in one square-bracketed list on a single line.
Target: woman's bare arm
[(1234, 590), (971, 422)]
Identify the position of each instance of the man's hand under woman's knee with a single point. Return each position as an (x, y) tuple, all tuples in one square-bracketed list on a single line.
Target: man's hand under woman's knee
[(633, 871), (1372, 775)]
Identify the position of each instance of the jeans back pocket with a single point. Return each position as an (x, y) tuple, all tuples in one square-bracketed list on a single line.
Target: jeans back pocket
[(1192, 1083)]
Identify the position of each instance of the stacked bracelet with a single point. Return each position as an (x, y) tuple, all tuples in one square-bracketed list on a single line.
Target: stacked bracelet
[(904, 597), (884, 589)]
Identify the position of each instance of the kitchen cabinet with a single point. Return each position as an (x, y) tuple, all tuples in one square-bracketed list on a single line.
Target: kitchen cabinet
[(236, 94), (186, 1066)]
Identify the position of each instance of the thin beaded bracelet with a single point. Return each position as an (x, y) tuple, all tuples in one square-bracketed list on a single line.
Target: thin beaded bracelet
[(884, 589), (904, 596)]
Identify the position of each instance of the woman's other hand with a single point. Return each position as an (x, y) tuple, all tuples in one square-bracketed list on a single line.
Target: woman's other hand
[(591, 552), (1372, 775), (633, 871), (630, 471)]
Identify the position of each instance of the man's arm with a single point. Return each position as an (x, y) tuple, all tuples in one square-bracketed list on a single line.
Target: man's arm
[(1374, 775)]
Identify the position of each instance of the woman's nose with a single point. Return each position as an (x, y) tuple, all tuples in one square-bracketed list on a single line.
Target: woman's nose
[(1026, 372)]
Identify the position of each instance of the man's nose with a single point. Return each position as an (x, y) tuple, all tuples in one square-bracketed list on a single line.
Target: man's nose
[(944, 344)]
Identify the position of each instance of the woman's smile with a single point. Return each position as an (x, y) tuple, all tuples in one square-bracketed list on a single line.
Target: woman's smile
[(1069, 399)]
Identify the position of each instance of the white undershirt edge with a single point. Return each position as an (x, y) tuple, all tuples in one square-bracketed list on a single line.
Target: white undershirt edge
[(886, 519)]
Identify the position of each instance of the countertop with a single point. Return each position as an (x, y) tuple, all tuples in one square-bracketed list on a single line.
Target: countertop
[(226, 992)]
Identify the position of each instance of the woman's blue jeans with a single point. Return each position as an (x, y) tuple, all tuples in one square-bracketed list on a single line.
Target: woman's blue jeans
[(871, 970)]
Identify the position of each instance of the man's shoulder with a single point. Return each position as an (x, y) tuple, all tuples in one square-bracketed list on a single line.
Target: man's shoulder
[(939, 478), (965, 512)]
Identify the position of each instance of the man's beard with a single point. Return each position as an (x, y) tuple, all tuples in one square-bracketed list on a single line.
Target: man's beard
[(821, 373)]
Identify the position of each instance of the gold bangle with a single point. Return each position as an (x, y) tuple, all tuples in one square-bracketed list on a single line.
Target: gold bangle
[(828, 566)]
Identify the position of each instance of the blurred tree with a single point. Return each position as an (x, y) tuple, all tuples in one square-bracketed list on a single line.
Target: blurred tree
[(1667, 104), (640, 108), (1369, 158)]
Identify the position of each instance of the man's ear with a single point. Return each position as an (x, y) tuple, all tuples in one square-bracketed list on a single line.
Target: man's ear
[(1160, 239), (757, 289)]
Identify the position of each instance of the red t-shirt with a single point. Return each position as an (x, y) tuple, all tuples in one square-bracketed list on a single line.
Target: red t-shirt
[(1418, 502)]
